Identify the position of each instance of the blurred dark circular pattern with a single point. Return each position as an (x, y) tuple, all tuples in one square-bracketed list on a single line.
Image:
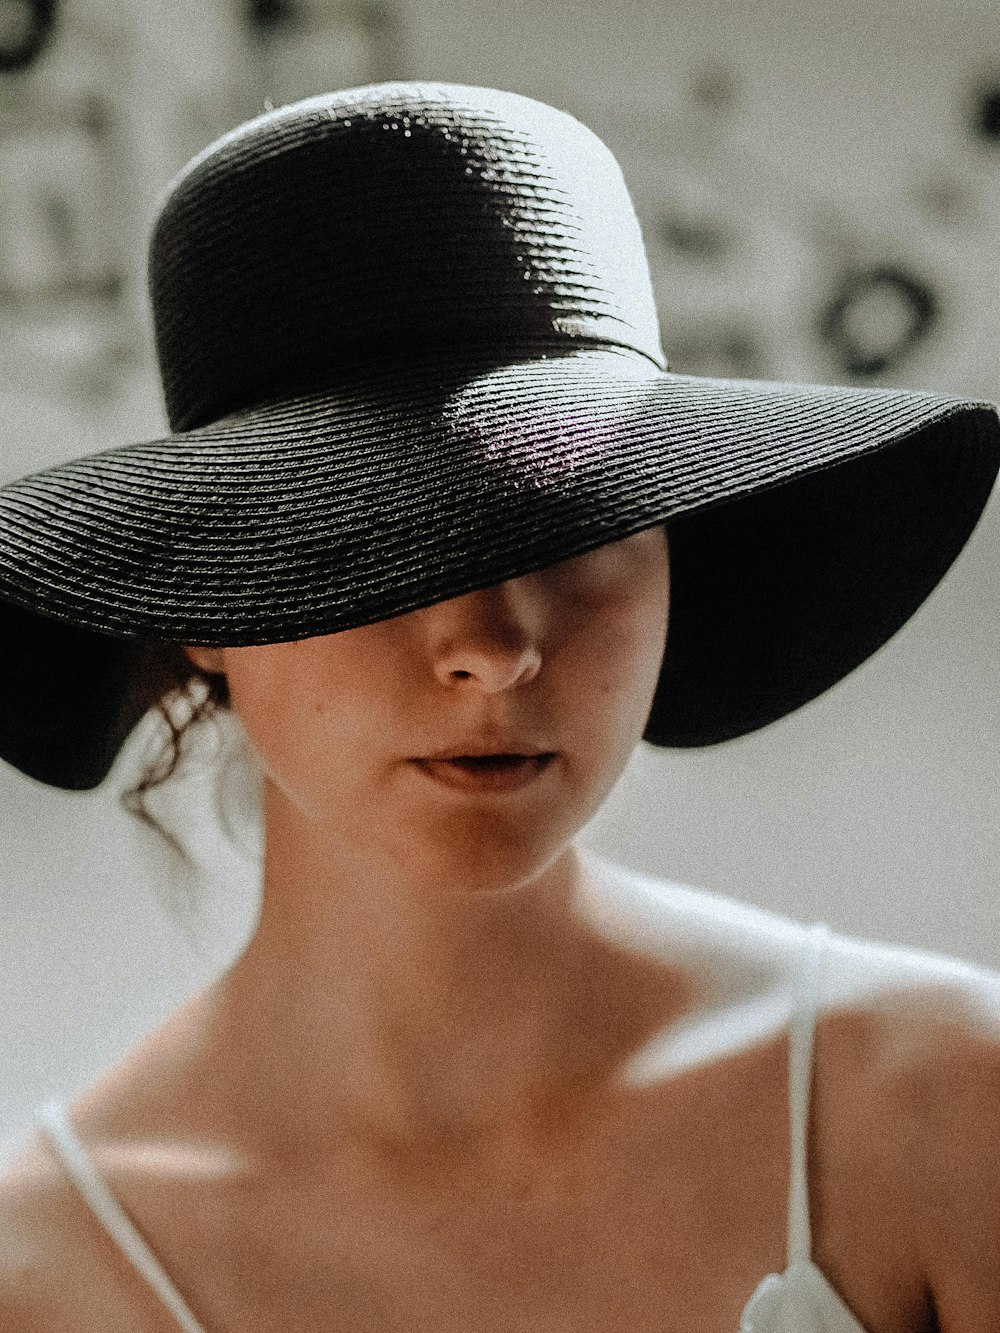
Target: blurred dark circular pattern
[(715, 86), (25, 29), (875, 317), (986, 121), (267, 15), (696, 236)]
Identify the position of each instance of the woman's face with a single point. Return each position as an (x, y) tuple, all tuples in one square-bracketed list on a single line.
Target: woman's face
[(463, 745)]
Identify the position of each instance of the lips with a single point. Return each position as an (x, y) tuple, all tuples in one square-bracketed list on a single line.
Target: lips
[(493, 772)]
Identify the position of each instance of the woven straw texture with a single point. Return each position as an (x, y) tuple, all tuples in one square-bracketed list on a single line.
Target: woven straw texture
[(409, 349), (339, 509)]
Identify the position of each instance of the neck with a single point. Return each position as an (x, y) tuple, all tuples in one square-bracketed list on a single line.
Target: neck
[(427, 1032)]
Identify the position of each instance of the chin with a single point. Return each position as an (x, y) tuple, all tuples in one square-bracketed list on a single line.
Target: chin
[(494, 861)]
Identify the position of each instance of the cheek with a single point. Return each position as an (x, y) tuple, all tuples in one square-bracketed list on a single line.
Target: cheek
[(618, 655), (616, 611), (305, 721)]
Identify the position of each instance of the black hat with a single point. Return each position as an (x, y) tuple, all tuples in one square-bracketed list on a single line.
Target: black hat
[(409, 349)]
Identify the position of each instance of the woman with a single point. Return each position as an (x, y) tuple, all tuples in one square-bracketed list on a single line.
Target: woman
[(430, 506)]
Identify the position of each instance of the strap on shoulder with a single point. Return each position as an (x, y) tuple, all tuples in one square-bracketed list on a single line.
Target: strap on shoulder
[(800, 1074), (55, 1123)]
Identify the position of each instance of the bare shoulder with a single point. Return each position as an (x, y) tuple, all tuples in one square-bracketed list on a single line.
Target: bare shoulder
[(904, 1028), (914, 1037), (36, 1245), (922, 1030), (54, 1277), (929, 1021), (905, 1112), (911, 996), (920, 1017)]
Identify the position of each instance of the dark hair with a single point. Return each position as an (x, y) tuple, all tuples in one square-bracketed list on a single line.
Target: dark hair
[(173, 666)]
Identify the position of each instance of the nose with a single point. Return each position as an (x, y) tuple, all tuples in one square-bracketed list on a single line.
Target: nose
[(488, 640)]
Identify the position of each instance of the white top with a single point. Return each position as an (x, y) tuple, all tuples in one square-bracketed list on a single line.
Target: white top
[(799, 1300)]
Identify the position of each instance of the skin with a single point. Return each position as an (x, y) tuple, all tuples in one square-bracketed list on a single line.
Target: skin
[(456, 929), (413, 1102), (521, 664)]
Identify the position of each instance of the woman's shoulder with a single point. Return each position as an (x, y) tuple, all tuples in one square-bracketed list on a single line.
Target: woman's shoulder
[(888, 1010), (701, 923), (54, 1276), (36, 1238), (907, 1045)]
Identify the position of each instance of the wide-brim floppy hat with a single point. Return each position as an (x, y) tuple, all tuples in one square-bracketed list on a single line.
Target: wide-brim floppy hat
[(409, 349)]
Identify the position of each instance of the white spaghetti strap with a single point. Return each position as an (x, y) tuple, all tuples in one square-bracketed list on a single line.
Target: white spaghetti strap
[(53, 1120), (800, 1061)]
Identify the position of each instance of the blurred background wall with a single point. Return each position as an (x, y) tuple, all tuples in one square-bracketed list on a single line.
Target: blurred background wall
[(819, 187)]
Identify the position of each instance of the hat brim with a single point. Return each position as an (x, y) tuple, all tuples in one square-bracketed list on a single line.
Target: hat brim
[(807, 522)]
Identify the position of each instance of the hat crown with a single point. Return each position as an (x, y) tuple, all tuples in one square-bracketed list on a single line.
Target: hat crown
[(381, 219)]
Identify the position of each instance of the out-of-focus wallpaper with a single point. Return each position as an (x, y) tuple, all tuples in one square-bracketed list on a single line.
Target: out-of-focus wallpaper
[(100, 103), (819, 188), (813, 210)]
